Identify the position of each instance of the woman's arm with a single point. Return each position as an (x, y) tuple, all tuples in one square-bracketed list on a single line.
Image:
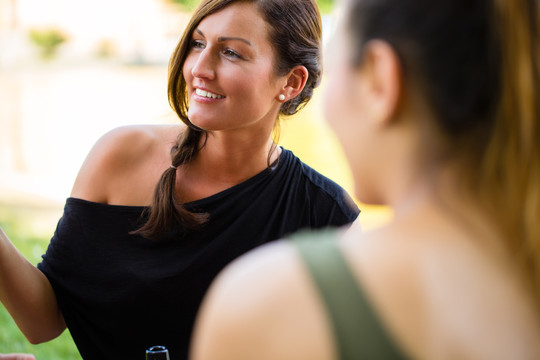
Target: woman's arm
[(28, 296)]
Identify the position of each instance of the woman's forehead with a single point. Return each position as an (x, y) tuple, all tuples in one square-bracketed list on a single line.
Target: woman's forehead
[(236, 20)]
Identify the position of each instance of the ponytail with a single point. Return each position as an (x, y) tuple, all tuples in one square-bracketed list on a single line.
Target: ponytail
[(511, 174), (166, 210)]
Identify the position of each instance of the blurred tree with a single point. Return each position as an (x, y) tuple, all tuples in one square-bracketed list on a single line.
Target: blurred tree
[(325, 6), (47, 40), (188, 5)]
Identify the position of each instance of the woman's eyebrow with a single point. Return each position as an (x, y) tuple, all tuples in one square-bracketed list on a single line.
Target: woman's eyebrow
[(226, 38)]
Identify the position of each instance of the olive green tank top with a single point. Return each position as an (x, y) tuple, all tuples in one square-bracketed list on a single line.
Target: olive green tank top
[(358, 332)]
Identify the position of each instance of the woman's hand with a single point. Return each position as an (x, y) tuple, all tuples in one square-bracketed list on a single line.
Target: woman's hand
[(17, 357)]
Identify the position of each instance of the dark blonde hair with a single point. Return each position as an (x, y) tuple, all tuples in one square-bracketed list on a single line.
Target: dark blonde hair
[(511, 164), (295, 34), (477, 63)]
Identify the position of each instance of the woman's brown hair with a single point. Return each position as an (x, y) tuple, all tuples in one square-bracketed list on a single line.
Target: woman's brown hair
[(295, 33), (478, 65), (511, 166)]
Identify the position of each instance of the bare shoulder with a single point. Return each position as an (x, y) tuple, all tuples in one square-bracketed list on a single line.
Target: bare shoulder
[(263, 306), (441, 297), (118, 159)]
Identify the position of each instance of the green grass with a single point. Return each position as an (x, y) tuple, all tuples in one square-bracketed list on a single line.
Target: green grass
[(17, 227), (12, 341)]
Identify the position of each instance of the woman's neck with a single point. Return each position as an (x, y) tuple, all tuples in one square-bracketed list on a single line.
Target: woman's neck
[(442, 194), (233, 160), (223, 162)]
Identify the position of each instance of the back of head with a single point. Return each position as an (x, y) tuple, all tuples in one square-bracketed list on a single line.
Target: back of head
[(477, 64)]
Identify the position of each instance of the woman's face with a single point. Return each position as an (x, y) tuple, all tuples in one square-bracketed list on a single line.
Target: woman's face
[(229, 72), (347, 109)]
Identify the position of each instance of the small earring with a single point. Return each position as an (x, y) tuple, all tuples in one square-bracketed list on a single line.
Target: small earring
[(281, 97)]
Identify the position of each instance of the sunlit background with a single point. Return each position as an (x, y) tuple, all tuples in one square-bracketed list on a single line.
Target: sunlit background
[(71, 70)]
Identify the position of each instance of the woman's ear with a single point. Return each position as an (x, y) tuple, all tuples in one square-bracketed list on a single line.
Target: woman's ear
[(382, 75), (295, 82)]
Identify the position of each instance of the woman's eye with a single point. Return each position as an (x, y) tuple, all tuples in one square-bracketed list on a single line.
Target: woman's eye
[(197, 44), (232, 54)]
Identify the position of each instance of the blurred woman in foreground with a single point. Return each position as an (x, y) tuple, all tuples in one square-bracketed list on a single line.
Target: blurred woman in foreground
[(437, 106)]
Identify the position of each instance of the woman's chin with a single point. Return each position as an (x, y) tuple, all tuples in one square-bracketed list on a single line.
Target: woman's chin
[(202, 123)]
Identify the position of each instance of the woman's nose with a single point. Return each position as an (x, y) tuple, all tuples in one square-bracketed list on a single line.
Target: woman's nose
[(204, 66)]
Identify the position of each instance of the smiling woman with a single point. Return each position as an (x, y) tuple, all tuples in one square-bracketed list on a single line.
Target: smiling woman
[(227, 73), (157, 211)]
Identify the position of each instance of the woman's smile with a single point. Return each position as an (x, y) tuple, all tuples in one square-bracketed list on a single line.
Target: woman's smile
[(205, 96), (208, 94), (230, 66)]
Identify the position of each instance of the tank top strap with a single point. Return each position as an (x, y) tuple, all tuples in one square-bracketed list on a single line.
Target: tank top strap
[(357, 330)]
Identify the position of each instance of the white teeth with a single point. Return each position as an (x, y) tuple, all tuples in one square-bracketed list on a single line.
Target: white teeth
[(208, 94)]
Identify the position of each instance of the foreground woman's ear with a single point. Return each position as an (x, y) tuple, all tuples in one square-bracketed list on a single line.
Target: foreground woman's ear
[(381, 74)]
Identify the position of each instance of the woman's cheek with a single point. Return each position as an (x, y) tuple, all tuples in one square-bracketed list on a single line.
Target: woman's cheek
[(335, 102)]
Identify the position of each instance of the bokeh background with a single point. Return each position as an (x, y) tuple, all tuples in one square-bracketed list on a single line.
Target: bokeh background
[(71, 70)]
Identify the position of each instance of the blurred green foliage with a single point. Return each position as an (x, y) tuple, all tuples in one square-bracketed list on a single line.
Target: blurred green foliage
[(48, 40), (325, 6), (186, 5)]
